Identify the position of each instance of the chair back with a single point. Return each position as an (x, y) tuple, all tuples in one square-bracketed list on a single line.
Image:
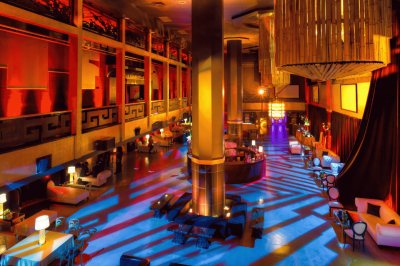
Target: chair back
[(333, 194), (59, 224), (330, 179), (359, 229)]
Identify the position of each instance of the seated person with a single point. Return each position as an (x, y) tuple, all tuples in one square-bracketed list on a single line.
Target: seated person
[(85, 171)]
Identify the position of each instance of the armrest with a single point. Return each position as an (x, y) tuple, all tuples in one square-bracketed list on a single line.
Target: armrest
[(391, 230)]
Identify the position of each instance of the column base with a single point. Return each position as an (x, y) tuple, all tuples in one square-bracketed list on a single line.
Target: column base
[(208, 188)]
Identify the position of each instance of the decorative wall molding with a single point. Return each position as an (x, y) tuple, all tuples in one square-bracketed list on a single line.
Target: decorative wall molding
[(95, 118), (157, 107), (32, 130), (174, 104), (135, 111)]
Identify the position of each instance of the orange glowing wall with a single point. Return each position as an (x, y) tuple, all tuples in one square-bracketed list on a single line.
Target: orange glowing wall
[(33, 75)]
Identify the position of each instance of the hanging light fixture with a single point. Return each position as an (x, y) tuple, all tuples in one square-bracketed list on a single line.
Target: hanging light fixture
[(330, 39), (276, 109)]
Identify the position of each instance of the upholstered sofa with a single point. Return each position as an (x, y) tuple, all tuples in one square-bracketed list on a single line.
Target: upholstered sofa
[(378, 227), (326, 157), (294, 147), (100, 179)]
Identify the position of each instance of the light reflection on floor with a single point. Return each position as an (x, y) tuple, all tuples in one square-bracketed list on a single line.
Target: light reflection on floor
[(297, 230)]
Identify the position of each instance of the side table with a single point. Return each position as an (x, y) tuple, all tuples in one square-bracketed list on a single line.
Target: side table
[(9, 222)]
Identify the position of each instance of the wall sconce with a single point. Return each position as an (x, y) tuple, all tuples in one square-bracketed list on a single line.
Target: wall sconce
[(253, 143), (71, 172), (3, 199), (260, 149), (41, 223)]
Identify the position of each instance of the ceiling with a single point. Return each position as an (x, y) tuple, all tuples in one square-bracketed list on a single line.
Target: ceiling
[(240, 16)]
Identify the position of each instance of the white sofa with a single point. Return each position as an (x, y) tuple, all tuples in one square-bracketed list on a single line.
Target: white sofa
[(294, 147), (383, 233), (67, 195), (327, 160), (100, 179)]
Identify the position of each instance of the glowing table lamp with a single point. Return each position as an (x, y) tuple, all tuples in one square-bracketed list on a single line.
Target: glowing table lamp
[(253, 143), (260, 149), (41, 223), (71, 172), (3, 199), (185, 120)]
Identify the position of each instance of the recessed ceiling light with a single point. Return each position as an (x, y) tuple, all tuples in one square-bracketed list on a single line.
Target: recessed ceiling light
[(182, 2)]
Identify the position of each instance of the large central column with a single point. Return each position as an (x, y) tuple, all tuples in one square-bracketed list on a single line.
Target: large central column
[(234, 90), (208, 107)]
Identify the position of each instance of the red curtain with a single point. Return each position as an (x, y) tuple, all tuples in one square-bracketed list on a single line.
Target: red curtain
[(317, 116), (344, 133)]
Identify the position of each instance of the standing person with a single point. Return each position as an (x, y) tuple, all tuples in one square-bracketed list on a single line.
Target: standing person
[(118, 159), (151, 144)]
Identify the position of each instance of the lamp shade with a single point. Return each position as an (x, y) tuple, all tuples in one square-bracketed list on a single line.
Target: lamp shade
[(161, 130), (253, 143), (260, 149), (3, 198), (42, 222), (71, 169)]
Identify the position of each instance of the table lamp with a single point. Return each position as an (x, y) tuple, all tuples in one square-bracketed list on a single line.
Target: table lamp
[(3, 199), (41, 223), (253, 143), (71, 172), (260, 149)]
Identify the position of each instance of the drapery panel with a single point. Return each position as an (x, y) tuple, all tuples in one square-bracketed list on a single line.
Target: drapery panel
[(344, 130), (372, 170), (317, 116)]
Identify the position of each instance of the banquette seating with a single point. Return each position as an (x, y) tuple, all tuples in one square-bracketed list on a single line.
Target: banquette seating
[(99, 179), (383, 224)]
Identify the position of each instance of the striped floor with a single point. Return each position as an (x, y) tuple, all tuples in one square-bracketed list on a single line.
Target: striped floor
[(297, 226)]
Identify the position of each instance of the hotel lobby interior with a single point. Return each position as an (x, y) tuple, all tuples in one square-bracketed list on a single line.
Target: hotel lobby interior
[(199, 132)]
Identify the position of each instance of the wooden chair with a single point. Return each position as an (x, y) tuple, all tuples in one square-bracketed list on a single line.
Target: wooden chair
[(333, 194), (329, 182), (356, 232)]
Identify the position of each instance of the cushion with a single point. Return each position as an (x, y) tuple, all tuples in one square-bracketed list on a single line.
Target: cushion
[(392, 221), (51, 183), (373, 209)]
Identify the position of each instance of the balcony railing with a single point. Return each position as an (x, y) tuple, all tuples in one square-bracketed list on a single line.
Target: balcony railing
[(32, 130), (158, 107), (174, 104), (95, 118), (134, 111), (56, 9), (184, 102)]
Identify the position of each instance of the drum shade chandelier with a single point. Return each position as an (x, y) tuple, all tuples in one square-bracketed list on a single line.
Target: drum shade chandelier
[(330, 39)]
